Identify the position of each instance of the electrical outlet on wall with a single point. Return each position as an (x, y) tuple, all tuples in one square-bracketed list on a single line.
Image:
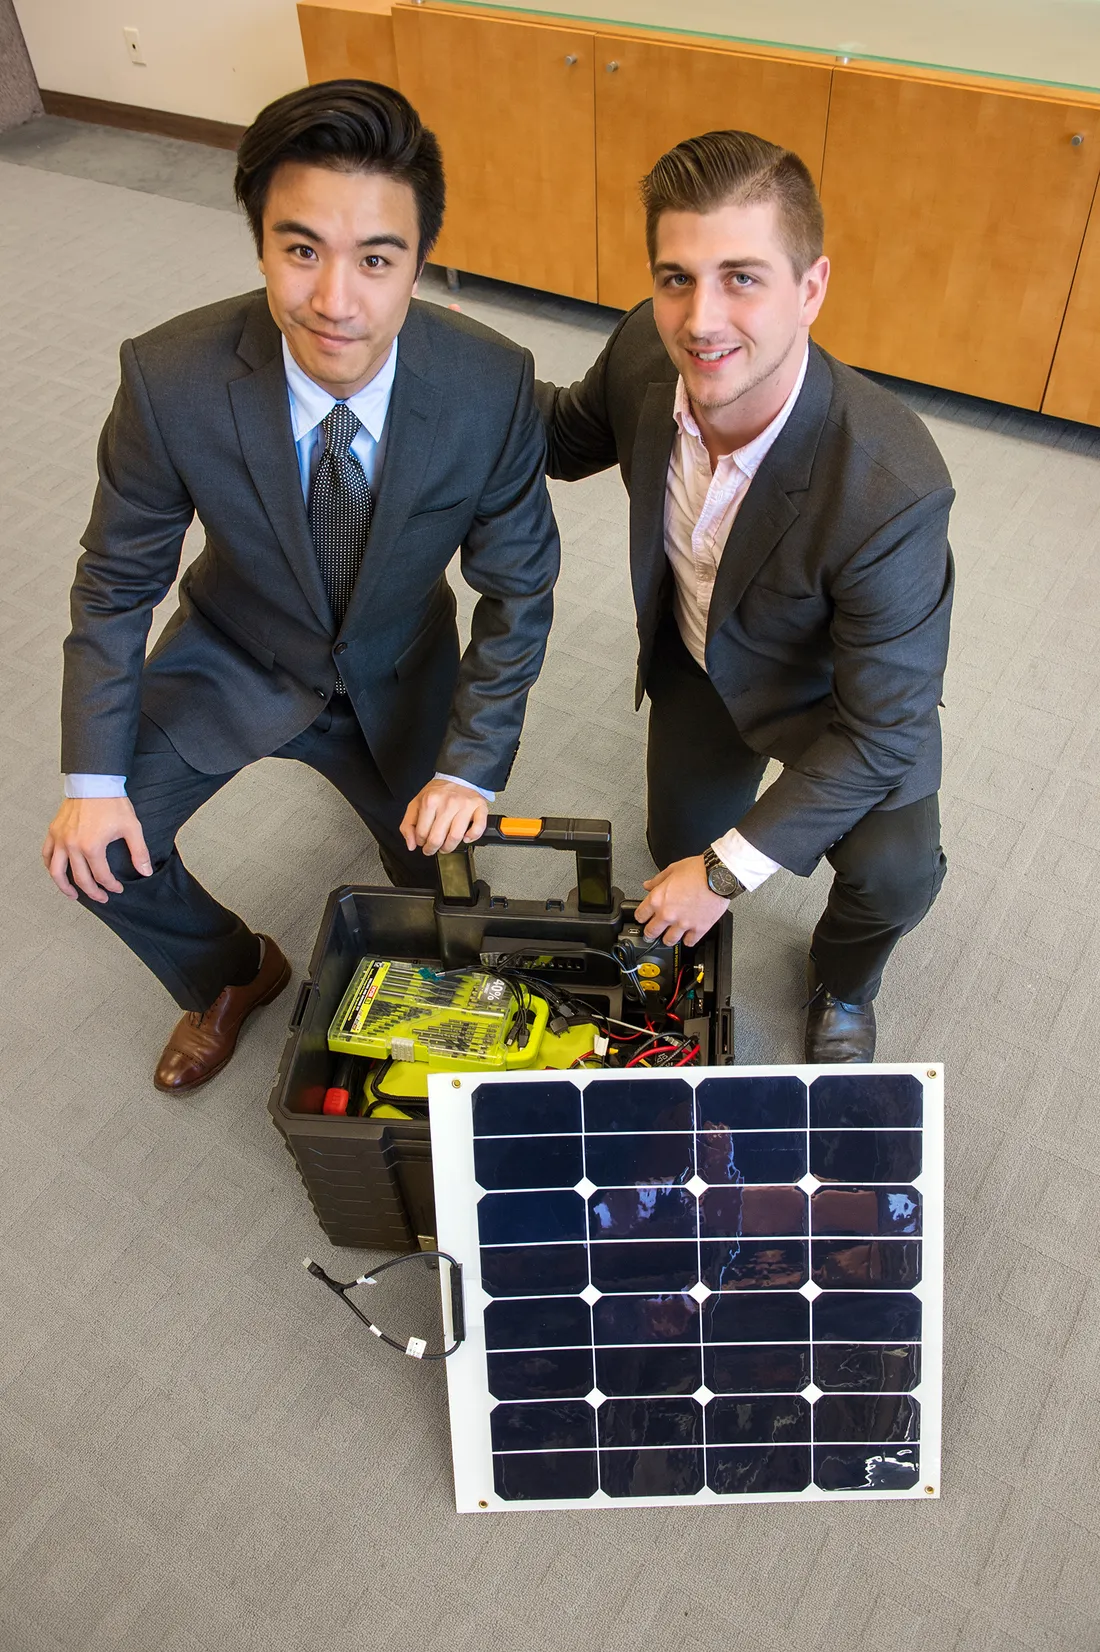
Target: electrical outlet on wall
[(133, 46)]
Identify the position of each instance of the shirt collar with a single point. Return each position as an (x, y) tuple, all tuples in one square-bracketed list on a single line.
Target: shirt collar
[(309, 404), (750, 457)]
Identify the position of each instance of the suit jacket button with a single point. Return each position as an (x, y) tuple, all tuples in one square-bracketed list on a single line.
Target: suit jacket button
[(341, 648)]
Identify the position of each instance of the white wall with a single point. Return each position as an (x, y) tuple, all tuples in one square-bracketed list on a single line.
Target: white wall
[(221, 59)]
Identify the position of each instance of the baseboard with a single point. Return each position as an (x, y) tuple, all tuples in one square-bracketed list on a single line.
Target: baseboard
[(218, 134)]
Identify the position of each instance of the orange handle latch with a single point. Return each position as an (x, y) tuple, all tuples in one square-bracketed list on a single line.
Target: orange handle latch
[(516, 826)]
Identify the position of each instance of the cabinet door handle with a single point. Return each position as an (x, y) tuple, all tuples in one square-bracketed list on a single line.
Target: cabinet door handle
[(571, 58), (1077, 139), (611, 67)]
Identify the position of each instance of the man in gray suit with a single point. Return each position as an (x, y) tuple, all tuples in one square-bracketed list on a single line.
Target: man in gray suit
[(791, 574), (338, 441)]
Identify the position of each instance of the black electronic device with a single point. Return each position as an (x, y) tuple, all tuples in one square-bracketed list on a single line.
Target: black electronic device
[(652, 968), (368, 1171)]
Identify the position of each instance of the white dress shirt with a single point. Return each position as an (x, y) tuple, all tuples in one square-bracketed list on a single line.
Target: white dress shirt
[(309, 407), (701, 505)]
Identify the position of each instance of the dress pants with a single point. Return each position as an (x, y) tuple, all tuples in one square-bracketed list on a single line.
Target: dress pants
[(703, 778), (193, 944)]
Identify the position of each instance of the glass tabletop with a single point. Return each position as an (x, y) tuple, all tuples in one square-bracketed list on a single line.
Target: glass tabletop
[(1045, 42)]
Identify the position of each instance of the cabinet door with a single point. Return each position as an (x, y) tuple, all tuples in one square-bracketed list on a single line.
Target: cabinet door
[(511, 104), (350, 40), (655, 96), (1074, 388), (953, 217)]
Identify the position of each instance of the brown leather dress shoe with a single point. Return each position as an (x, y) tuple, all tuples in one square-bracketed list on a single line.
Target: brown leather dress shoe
[(204, 1041)]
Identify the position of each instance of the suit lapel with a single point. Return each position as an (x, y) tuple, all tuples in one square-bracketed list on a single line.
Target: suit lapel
[(261, 410), (768, 509), (765, 515), (410, 432), (648, 483)]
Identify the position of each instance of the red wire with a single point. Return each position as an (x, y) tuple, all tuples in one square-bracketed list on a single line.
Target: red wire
[(659, 1049), (692, 1053)]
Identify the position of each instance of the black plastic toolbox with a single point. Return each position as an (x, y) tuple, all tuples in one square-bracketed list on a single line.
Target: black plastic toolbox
[(370, 1180)]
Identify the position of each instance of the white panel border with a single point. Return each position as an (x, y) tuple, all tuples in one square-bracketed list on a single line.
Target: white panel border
[(469, 1400)]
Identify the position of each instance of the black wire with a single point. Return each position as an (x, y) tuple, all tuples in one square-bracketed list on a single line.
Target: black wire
[(560, 1002), (546, 988), (627, 971), (373, 1082), (523, 1016), (604, 1023), (523, 984), (341, 1287), (382, 1098), (559, 998)]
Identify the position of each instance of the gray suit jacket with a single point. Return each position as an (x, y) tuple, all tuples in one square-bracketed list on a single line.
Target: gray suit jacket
[(828, 627), (201, 426)]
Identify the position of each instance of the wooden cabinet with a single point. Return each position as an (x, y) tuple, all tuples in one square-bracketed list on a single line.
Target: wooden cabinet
[(656, 95), (349, 41), (954, 216), (1074, 388), (955, 208), (512, 106)]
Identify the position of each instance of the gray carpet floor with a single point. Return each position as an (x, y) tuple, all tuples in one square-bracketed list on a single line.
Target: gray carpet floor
[(200, 1449)]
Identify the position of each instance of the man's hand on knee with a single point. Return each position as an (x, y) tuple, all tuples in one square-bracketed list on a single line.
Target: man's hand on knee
[(680, 904), (75, 850), (442, 815)]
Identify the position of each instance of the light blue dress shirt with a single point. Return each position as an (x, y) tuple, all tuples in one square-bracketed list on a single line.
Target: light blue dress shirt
[(309, 407)]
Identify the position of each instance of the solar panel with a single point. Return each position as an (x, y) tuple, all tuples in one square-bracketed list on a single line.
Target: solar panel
[(721, 1285)]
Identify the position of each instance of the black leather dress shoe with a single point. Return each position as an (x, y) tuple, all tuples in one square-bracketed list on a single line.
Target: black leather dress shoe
[(836, 1031)]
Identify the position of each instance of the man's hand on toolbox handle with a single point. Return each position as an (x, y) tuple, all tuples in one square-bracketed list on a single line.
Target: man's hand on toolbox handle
[(443, 814)]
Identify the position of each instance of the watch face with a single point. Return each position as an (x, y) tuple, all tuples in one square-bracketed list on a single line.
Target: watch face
[(720, 878)]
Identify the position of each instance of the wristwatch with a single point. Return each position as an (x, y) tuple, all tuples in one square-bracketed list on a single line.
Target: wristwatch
[(719, 876)]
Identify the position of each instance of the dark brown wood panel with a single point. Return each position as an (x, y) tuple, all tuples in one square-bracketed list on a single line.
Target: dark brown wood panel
[(132, 117)]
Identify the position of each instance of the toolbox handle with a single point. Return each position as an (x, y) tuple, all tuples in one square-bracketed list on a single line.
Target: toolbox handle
[(589, 840), (300, 1005)]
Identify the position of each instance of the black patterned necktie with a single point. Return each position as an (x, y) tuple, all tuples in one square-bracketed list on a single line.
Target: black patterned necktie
[(340, 507)]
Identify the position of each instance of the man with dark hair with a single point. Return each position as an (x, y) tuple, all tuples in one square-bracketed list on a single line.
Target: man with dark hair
[(791, 573), (338, 441)]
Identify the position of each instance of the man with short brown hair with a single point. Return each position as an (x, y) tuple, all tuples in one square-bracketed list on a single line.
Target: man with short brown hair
[(791, 574)]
